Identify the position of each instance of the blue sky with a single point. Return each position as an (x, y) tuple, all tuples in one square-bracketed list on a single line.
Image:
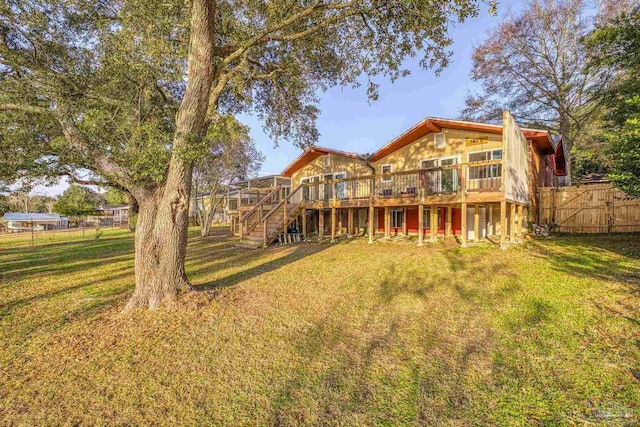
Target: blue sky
[(349, 122)]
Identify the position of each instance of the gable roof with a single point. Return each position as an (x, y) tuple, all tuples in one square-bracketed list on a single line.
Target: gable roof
[(541, 138), (312, 153)]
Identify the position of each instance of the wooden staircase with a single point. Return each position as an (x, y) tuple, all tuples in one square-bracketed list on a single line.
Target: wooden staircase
[(260, 228)]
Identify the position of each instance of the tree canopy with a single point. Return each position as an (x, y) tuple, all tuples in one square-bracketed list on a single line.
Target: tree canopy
[(233, 156), (535, 65), (77, 201), (616, 45)]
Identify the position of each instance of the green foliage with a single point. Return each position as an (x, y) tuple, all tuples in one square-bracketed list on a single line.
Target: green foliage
[(616, 45), (115, 74), (113, 196), (77, 201)]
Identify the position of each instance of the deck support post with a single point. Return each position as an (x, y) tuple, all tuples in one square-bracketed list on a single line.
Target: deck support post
[(387, 222), (320, 223), (264, 233), (371, 215), (434, 223), (463, 225), (488, 219), (447, 227), (512, 225), (350, 222), (304, 224), (503, 223), (285, 220), (333, 225), (519, 228), (476, 223), (420, 225), (404, 221)]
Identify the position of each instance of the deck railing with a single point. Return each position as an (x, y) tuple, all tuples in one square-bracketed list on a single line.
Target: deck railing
[(255, 215), (484, 177), (444, 180)]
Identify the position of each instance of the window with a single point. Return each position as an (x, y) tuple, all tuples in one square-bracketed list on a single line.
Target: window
[(385, 170), (439, 140), (396, 218), (483, 156), (327, 160), (426, 218), (428, 164), (484, 177)]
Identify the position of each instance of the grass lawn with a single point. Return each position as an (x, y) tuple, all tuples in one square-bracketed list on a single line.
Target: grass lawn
[(546, 333)]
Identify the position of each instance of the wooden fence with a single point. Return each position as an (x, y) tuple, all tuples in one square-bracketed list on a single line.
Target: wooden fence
[(598, 208)]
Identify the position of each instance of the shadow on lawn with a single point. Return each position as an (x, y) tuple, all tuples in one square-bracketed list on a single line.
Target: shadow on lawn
[(240, 257), (373, 374), (594, 256)]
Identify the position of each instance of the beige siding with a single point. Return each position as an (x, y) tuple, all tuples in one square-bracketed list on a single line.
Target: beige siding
[(352, 167), (516, 166), (409, 156)]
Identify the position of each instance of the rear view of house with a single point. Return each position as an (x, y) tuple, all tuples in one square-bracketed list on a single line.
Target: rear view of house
[(441, 177)]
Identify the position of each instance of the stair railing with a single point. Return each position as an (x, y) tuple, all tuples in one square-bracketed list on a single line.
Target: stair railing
[(254, 216), (293, 199)]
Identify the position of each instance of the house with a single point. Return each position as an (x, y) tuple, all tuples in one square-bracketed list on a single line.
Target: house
[(111, 215), (17, 222), (440, 177)]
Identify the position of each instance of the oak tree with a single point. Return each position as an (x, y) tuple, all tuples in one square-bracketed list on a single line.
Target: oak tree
[(125, 93)]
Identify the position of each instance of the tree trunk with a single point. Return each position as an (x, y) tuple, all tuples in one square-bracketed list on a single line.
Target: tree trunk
[(567, 144), (133, 212), (163, 218), (161, 241)]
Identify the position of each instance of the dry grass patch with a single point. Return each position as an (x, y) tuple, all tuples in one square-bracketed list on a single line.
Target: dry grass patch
[(351, 334)]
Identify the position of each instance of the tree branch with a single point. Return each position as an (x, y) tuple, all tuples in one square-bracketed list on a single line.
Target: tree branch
[(25, 108)]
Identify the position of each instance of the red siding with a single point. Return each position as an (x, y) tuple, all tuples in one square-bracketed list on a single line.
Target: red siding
[(412, 221)]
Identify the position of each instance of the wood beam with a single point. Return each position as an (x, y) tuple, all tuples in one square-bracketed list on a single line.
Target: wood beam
[(420, 225), (371, 218), (350, 222), (320, 223), (488, 219), (476, 223), (503, 223), (304, 223), (463, 225), (447, 227), (404, 221), (512, 220), (333, 225), (434, 223), (387, 222), (520, 228)]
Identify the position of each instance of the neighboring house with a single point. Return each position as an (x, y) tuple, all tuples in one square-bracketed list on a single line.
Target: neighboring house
[(111, 215), (441, 177), (17, 222)]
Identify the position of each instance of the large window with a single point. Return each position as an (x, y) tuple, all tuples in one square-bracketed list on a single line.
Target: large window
[(485, 177), (483, 156), (396, 218)]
